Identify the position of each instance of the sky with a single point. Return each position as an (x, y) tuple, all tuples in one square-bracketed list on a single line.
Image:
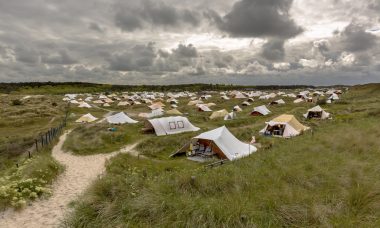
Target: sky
[(245, 42)]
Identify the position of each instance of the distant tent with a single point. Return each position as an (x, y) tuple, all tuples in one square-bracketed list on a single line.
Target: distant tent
[(230, 116), (173, 112), (195, 102), (224, 97), (106, 105), (120, 118), (169, 125), (220, 142), (123, 103), (84, 105), (317, 113), (204, 108), (240, 96), (245, 103), (237, 109), (98, 102), (74, 102), (86, 118), (281, 101), (334, 97), (260, 111), (219, 114), (299, 100), (284, 126)]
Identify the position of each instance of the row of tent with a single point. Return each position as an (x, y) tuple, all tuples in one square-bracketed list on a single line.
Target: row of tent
[(220, 142)]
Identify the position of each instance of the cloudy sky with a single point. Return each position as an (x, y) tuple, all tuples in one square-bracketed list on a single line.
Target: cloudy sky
[(191, 41)]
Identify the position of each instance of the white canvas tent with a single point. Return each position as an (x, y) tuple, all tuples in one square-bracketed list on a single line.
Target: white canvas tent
[(86, 118), (84, 105), (120, 118), (169, 125), (230, 116), (260, 110), (281, 101), (203, 108), (316, 112), (226, 143)]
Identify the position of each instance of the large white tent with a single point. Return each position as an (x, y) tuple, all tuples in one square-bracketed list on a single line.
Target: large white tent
[(170, 125), (120, 118), (228, 144)]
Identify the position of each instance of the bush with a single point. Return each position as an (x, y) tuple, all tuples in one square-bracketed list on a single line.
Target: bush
[(16, 102)]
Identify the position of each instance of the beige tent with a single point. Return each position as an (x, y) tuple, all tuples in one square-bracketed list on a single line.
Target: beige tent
[(86, 118), (219, 114), (284, 126)]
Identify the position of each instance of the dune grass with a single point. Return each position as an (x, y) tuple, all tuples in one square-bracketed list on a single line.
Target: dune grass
[(327, 177), (20, 124), (96, 138)]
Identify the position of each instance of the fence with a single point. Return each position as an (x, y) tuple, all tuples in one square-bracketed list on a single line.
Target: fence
[(45, 139)]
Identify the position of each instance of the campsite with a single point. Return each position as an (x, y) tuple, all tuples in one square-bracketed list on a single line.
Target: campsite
[(191, 167)]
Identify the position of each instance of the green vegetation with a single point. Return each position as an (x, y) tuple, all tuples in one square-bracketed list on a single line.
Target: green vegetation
[(21, 121), (96, 138), (28, 181), (325, 177)]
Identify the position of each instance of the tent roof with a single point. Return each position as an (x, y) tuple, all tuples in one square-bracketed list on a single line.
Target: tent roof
[(291, 120), (172, 125), (262, 109), (120, 118), (228, 143), (219, 114)]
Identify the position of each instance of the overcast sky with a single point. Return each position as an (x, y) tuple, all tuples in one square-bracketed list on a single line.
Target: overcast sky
[(191, 41)]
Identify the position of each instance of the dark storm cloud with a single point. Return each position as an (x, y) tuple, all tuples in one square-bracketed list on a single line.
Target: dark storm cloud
[(27, 55), (147, 13), (274, 50), (183, 51), (355, 38), (260, 18), (139, 58), (148, 58)]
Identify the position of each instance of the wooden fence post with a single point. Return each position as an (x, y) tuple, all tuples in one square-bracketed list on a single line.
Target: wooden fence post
[(36, 144)]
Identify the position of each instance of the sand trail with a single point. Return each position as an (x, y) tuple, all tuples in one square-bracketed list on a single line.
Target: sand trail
[(79, 173)]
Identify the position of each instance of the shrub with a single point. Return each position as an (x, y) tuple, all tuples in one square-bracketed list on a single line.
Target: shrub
[(16, 102)]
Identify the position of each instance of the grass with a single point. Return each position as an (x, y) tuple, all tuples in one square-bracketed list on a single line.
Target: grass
[(327, 177), (20, 124), (96, 138), (29, 180)]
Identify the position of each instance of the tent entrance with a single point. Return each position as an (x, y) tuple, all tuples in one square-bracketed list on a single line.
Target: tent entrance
[(316, 115), (205, 149), (275, 130)]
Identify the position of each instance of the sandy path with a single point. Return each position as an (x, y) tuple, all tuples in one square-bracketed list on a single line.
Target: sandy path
[(80, 172)]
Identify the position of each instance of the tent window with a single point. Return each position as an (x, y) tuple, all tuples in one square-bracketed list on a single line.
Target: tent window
[(172, 125), (180, 124)]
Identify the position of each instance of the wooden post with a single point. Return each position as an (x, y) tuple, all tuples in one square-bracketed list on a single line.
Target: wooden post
[(29, 154), (42, 141), (36, 141)]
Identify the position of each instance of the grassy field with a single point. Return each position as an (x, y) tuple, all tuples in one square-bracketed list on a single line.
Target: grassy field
[(21, 121), (326, 177)]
